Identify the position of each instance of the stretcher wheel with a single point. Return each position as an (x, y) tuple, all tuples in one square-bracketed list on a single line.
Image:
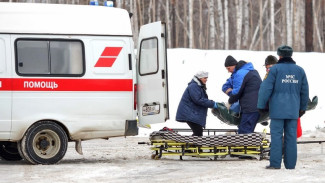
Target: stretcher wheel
[(155, 156)]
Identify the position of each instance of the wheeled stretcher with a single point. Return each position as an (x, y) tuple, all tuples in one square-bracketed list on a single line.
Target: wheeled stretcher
[(171, 143)]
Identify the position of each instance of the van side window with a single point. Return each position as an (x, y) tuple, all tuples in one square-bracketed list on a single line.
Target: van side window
[(148, 58), (49, 57)]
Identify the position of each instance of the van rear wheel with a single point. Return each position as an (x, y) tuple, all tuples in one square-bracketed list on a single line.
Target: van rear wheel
[(44, 142), (9, 151)]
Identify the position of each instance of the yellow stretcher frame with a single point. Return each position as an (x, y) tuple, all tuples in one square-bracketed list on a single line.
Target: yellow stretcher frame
[(172, 148)]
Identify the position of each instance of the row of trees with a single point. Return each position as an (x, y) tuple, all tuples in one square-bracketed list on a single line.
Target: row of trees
[(236, 24), (229, 24)]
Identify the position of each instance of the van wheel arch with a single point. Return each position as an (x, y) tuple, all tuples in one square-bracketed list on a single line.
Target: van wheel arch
[(58, 123)]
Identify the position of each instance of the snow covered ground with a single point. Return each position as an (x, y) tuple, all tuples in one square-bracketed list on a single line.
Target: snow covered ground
[(123, 160)]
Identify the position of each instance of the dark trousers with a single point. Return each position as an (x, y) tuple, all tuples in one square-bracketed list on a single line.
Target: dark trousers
[(248, 122), (196, 128), (288, 144)]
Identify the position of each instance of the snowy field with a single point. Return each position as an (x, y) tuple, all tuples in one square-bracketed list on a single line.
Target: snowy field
[(184, 63), (123, 160)]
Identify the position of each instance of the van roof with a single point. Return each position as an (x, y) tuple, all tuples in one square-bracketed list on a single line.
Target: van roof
[(38, 18)]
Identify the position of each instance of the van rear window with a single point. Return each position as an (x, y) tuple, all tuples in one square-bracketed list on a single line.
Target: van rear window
[(49, 57), (148, 58)]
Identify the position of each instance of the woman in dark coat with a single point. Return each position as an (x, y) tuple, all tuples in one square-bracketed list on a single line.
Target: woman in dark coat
[(194, 104)]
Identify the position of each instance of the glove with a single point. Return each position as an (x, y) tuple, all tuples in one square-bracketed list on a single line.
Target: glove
[(227, 105), (301, 113), (215, 105)]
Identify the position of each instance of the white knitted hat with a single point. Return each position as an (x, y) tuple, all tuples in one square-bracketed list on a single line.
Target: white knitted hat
[(202, 74)]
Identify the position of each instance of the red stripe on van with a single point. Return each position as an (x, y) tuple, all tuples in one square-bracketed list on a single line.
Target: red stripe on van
[(105, 62), (28, 84), (111, 51), (5, 84)]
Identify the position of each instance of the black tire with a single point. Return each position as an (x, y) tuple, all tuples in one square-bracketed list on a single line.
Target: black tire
[(9, 151), (44, 143), (19, 149)]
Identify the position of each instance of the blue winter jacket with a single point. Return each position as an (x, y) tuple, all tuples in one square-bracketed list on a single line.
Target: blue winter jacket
[(194, 104), (245, 83), (286, 87)]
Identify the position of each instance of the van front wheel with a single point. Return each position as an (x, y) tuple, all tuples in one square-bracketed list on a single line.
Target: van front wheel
[(44, 142)]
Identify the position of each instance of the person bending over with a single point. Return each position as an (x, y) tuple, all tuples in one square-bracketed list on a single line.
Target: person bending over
[(194, 104)]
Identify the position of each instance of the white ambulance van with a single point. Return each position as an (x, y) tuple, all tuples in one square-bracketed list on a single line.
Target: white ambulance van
[(68, 73)]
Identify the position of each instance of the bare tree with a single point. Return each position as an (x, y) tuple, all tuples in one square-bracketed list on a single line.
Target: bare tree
[(173, 20), (186, 34), (246, 25), (212, 25), (158, 10), (183, 23), (323, 21), (168, 22), (190, 20), (302, 26), (206, 45), (309, 25), (289, 22), (176, 24), (118, 3), (282, 25), (316, 27), (221, 36), (226, 25), (201, 25), (139, 12), (135, 25), (252, 45), (296, 26), (153, 10), (239, 17), (149, 10), (261, 25), (251, 17), (272, 41)]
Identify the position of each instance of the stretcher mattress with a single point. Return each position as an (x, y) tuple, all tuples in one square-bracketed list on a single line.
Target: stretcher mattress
[(252, 139)]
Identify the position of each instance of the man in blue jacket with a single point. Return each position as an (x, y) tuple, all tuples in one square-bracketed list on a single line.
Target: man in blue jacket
[(194, 104), (286, 89), (243, 86)]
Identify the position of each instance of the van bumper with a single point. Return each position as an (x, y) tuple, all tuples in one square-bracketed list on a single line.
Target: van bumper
[(131, 128)]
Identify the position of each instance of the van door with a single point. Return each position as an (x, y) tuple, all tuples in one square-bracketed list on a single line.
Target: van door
[(152, 82), (5, 87)]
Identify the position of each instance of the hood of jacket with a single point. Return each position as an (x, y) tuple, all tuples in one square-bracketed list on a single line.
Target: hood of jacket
[(198, 82), (244, 66)]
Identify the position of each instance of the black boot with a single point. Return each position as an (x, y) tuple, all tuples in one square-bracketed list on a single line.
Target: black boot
[(271, 167)]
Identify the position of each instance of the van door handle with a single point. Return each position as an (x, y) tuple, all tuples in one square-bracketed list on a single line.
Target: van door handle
[(20, 64)]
